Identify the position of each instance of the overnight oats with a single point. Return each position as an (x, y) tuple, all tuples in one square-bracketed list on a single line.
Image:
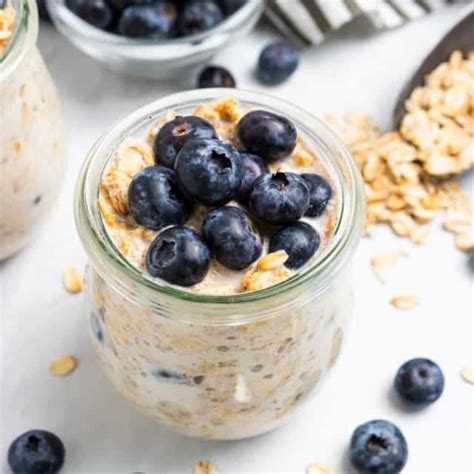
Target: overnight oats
[(32, 134), (220, 232)]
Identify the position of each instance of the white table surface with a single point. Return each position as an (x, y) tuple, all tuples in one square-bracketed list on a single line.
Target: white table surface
[(102, 433)]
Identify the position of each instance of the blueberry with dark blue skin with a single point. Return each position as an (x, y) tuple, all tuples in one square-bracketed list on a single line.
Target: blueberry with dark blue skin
[(419, 382), (36, 452), (179, 256), (119, 5), (252, 167), (231, 6), (2, 4), (320, 193), (96, 12), (154, 21), (378, 447), (300, 241), (215, 76), (276, 63), (155, 200), (209, 171), (280, 198), (199, 15), (232, 237), (266, 134), (42, 10), (173, 135)]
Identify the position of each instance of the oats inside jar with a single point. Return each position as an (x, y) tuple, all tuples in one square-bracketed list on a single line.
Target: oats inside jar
[(236, 186)]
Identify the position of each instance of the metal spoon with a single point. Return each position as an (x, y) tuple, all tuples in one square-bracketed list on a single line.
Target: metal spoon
[(460, 37)]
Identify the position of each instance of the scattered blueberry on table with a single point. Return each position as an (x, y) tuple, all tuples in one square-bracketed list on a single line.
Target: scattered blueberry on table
[(276, 63), (155, 200), (232, 238), (378, 447), (154, 19), (300, 241), (36, 452), (178, 255), (215, 76), (419, 382)]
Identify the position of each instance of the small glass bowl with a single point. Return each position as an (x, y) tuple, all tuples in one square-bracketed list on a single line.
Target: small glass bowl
[(152, 58)]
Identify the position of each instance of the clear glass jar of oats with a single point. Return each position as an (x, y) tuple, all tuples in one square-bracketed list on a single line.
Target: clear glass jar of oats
[(31, 135), (219, 366)]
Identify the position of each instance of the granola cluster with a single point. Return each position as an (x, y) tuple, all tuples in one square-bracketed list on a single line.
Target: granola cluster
[(407, 173), (7, 24)]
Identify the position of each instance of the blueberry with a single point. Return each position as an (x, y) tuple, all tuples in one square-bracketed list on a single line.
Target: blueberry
[(119, 5), (419, 382), (96, 12), (155, 200), (174, 134), (178, 255), (252, 167), (42, 10), (154, 21), (280, 198), (215, 76), (300, 241), (276, 63), (378, 447), (209, 171), (231, 237), (267, 134), (36, 452), (320, 193), (199, 15), (3, 4), (231, 6)]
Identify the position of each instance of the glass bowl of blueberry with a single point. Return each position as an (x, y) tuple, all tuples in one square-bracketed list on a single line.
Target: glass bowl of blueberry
[(153, 38)]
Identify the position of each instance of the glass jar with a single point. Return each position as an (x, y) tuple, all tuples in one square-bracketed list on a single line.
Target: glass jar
[(31, 135), (219, 367)]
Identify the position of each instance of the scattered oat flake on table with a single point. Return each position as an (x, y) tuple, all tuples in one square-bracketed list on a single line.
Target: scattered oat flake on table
[(317, 468), (73, 280), (405, 301), (63, 365), (205, 467), (382, 262), (467, 374)]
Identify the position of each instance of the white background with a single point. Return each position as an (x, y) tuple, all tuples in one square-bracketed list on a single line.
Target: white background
[(102, 433)]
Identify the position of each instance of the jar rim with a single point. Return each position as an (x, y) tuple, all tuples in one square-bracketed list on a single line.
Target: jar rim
[(24, 35), (105, 254)]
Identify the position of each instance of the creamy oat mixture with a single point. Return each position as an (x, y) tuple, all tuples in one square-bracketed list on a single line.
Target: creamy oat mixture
[(31, 150), (7, 25), (133, 241)]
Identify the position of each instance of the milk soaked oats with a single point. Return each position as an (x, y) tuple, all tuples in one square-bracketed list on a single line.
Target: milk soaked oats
[(31, 135), (232, 355)]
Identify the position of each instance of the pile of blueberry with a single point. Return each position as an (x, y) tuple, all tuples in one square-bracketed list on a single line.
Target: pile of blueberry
[(376, 447), (154, 19), (194, 167)]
